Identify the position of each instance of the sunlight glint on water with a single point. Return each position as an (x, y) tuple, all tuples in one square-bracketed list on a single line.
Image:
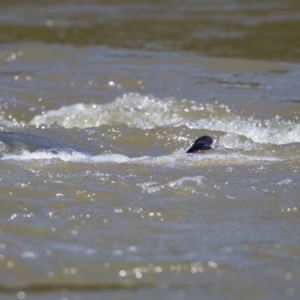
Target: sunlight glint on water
[(99, 103)]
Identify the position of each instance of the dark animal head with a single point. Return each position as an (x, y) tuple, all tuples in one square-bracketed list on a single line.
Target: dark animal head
[(201, 143)]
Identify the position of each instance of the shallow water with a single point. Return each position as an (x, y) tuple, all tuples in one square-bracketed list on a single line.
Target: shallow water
[(99, 102)]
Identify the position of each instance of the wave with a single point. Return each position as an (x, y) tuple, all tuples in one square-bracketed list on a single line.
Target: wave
[(147, 112), (178, 159)]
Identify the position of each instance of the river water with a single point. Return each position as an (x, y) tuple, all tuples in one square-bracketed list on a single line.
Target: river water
[(99, 102)]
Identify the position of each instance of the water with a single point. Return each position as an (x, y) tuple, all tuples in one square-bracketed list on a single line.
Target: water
[(99, 102)]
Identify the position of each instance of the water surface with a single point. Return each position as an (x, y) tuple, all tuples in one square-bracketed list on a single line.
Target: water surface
[(99, 102)]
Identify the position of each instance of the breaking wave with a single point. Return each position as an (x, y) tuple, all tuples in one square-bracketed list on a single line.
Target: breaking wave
[(148, 112)]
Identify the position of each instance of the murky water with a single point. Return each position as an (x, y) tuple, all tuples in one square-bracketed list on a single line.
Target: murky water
[(99, 102)]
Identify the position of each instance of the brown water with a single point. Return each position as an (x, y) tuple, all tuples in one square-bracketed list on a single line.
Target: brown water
[(99, 101)]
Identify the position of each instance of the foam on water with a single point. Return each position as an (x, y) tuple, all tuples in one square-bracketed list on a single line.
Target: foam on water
[(133, 109), (147, 112), (67, 156), (153, 187), (171, 160), (274, 131)]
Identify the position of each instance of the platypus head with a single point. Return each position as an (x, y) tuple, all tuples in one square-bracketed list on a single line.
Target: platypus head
[(201, 143)]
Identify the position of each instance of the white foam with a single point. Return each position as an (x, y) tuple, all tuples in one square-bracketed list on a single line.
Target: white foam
[(147, 112), (274, 131), (171, 160), (133, 109), (66, 156), (284, 182)]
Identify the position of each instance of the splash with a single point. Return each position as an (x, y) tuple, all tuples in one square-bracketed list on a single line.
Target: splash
[(147, 112), (133, 109), (274, 131)]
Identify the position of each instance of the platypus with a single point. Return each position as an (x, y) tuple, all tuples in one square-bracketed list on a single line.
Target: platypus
[(201, 144)]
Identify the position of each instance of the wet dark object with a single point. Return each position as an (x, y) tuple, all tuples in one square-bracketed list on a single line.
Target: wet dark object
[(201, 143), (16, 142)]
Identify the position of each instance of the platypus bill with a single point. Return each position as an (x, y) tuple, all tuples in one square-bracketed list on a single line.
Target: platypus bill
[(201, 143)]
